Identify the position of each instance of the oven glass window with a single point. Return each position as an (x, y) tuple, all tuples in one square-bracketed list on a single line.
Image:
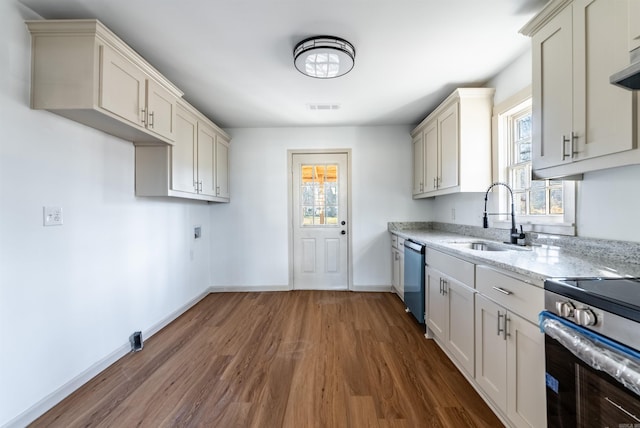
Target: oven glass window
[(603, 402)]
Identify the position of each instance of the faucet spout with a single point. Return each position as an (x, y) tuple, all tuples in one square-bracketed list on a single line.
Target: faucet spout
[(514, 234)]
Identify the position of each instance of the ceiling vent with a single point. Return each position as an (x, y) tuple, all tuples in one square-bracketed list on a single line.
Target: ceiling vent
[(315, 107)]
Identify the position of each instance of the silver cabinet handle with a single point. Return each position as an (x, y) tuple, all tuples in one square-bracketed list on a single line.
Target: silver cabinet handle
[(440, 286), (200, 186), (571, 140), (144, 116), (503, 291), (151, 120), (506, 326), (444, 287), (195, 186), (500, 330), (217, 190)]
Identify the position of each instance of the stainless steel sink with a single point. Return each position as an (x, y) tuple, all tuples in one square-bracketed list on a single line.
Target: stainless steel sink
[(488, 246), (479, 246)]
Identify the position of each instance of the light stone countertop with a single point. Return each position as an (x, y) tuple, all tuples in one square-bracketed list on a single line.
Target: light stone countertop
[(536, 262)]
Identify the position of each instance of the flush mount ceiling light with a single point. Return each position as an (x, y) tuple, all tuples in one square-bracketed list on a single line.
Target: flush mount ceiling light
[(324, 57)]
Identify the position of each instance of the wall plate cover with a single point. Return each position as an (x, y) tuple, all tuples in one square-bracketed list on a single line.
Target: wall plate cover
[(197, 232), (52, 216)]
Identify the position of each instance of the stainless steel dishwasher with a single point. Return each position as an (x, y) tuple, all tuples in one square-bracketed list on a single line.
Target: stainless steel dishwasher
[(414, 278)]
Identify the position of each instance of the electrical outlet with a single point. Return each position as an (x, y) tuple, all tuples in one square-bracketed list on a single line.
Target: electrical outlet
[(52, 216), (197, 232)]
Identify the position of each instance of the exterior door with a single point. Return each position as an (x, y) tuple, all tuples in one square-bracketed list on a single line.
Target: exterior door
[(319, 205)]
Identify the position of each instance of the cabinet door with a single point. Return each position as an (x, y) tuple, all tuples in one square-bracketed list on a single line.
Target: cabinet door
[(206, 159), (161, 106), (222, 167), (436, 311), (431, 156), (184, 153), (526, 405), (401, 275), (634, 25), (460, 333), (418, 164), (449, 142), (603, 113), (395, 270), (122, 87), (491, 351), (552, 87)]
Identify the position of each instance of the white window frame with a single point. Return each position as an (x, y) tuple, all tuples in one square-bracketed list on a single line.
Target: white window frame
[(556, 224)]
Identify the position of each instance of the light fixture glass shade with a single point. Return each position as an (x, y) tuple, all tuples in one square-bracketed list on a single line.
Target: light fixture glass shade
[(324, 57)]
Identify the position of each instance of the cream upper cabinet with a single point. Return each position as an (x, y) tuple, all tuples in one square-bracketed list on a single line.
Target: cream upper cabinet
[(184, 153), (581, 122), (206, 159), (634, 25), (122, 89), (195, 167), (430, 161), (456, 140), (222, 167), (418, 164), (448, 147), (82, 71)]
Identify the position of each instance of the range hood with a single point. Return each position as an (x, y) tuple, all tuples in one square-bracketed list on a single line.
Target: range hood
[(629, 78)]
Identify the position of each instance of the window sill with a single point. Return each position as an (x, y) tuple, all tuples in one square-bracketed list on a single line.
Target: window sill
[(568, 229)]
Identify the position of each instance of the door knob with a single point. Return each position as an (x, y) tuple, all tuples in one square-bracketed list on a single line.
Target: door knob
[(343, 222), (343, 232)]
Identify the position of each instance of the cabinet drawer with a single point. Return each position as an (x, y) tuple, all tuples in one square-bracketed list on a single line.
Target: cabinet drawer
[(454, 267), (524, 299)]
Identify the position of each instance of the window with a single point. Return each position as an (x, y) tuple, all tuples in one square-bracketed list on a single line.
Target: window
[(543, 205), (319, 195)]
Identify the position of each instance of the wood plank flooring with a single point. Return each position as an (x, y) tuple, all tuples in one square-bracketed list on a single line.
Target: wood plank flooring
[(287, 359)]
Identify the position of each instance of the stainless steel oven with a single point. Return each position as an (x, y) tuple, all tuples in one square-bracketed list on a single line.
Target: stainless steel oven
[(592, 343)]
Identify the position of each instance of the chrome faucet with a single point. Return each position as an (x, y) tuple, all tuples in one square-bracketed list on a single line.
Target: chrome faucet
[(514, 235)]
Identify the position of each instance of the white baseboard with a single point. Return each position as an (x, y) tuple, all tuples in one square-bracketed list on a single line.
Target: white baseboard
[(258, 288), (42, 406), (247, 288), (372, 288)]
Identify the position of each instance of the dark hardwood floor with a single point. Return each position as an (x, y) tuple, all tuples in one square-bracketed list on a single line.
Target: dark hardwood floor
[(288, 359)]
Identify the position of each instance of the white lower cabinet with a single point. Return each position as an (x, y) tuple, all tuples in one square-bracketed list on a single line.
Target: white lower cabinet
[(397, 265), (450, 307), (510, 349)]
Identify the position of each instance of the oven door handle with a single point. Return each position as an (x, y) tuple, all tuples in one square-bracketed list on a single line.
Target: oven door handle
[(600, 353)]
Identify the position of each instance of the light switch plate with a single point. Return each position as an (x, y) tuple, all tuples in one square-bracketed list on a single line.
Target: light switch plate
[(197, 232), (52, 216)]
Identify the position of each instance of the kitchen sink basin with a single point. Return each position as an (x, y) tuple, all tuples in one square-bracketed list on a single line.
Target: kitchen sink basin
[(488, 246)]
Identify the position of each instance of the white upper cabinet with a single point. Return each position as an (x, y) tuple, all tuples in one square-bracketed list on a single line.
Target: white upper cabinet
[(82, 71), (581, 122), (454, 145), (195, 167), (634, 25)]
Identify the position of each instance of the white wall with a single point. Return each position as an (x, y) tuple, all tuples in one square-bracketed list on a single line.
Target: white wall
[(250, 240), (71, 295)]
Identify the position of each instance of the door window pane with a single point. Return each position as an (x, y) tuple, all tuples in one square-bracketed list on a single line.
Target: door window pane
[(319, 195)]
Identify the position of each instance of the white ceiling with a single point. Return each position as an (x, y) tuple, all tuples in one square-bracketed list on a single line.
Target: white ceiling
[(233, 58)]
